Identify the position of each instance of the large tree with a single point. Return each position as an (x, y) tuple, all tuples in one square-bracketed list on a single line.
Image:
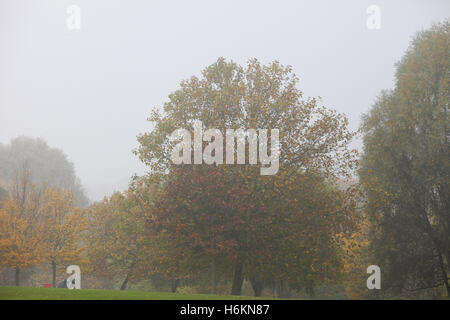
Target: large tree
[(39, 225), (233, 211), (116, 241), (64, 225), (405, 167), (21, 228)]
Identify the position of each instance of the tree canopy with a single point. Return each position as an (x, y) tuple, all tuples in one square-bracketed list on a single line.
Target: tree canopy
[(405, 166), (229, 215)]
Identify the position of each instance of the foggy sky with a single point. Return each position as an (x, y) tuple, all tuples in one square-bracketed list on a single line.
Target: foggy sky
[(89, 91)]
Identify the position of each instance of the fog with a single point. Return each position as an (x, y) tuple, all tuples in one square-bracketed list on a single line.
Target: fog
[(89, 91)]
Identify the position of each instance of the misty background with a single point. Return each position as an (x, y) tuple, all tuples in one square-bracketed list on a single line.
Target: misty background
[(89, 91)]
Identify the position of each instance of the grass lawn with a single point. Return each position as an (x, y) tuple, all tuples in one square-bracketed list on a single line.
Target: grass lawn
[(29, 293)]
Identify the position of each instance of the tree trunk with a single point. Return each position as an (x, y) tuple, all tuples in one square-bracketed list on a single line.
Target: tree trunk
[(444, 272), (213, 275), (125, 282), (257, 285), (277, 289), (17, 276), (282, 289), (53, 274), (437, 245), (236, 288), (310, 288), (174, 285)]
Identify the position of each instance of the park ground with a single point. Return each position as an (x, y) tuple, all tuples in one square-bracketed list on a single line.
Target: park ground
[(29, 293)]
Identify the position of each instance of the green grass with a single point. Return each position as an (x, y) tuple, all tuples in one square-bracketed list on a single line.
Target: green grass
[(29, 293)]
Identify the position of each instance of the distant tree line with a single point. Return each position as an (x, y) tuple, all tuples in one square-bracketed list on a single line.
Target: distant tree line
[(45, 165)]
